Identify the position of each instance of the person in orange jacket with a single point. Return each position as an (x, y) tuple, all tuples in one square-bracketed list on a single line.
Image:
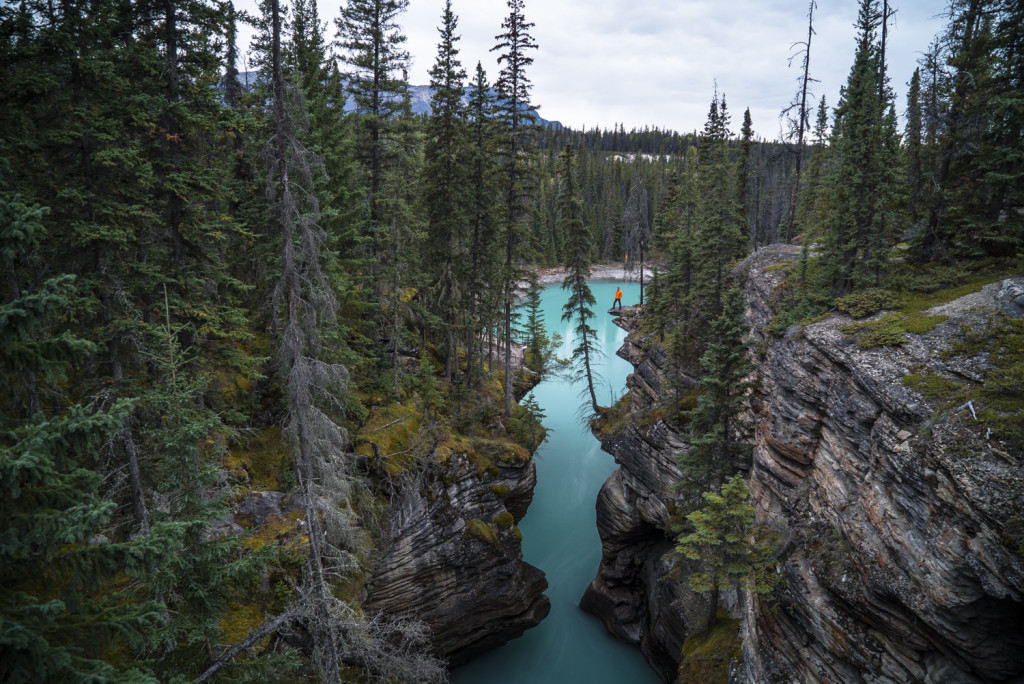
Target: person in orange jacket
[(618, 298)]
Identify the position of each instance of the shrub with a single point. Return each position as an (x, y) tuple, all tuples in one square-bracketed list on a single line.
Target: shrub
[(867, 302)]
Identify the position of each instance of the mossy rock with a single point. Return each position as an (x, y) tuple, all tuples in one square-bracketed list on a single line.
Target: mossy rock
[(867, 302), (890, 329), (260, 461), (500, 491), (933, 386), (706, 657), (395, 431), (504, 520), (616, 419), (485, 532)]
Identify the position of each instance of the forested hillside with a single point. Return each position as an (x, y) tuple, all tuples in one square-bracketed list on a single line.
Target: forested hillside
[(216, 288)]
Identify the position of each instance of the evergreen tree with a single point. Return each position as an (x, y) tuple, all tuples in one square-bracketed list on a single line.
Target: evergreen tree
[(743, 170), (862, 179), (913, 142), (482, 197), (540, 348), (716, 434), (372, 40), (998, 224), (515, 118), (724, 542), (718, 236), (577, 273), (55, 622), (445, 185), (637, 228)]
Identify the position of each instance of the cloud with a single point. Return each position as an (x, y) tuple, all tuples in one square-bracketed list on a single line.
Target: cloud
[(655, 62)]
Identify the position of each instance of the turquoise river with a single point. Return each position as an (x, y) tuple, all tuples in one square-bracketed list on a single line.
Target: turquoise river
[(560, 531)]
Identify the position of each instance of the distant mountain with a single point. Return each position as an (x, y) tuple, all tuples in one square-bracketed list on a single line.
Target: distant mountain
[(419, 96)]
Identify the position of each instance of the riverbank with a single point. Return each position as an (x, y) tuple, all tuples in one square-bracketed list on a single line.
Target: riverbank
[(609, 271)]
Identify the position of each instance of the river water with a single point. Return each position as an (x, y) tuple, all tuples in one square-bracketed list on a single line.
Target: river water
[(560, 530)]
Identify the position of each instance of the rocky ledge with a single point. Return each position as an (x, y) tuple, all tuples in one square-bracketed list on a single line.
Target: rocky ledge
[(452, 557)]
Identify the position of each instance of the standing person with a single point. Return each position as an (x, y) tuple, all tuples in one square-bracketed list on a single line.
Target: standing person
[(618, 298)]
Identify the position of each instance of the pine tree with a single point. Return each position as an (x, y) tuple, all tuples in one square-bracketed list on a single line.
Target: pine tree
[(372, 40), (718, 236), (913, 141), (482, 196), (717, 433), (724, 542), (743, 170), (577, 272), (515, 118), (54, 623), (445, 185), (637, 228), (862, 180)]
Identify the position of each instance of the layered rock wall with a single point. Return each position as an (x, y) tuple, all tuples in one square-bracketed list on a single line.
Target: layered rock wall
[(452, 558), (896, 569), (893, 514)]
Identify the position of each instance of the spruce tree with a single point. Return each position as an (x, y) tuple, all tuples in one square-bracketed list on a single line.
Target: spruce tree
[(373, 49), (716, 434), (577, 272), (637, 228), (862, 180), (725, 542), (482, 199), (56, 621), (515, 117), (718, 235), (445, 186)]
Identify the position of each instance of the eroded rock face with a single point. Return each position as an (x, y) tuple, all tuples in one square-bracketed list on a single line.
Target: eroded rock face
[(453, 560), (893, 509), (895, 569), (634, 506)]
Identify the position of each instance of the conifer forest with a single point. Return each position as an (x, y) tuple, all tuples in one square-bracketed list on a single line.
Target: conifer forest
[(252, 320)]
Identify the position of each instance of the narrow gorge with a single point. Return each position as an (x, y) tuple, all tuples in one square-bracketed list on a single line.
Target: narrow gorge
[(900, 523)]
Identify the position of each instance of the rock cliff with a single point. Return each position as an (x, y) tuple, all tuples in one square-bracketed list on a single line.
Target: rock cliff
[(900, 519), (634, 509), (452, 557), (896, 509)]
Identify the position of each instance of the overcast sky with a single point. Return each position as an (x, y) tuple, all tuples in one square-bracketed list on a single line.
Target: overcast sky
[(655, 62)]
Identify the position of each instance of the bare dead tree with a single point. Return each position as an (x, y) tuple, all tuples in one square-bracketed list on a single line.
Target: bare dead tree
[(798, 114), (315, 391)]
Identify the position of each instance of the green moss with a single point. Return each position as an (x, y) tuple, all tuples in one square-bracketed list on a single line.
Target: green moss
[(889, 330), (504, 520), (706, 656), (485, 532), (615, 419), (500, 491), (395, 430), (260, 460), (867, 302), (1002, 389), (933, 386)]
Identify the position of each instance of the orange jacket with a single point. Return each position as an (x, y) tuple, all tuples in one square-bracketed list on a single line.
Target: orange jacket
[(618, 293)]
